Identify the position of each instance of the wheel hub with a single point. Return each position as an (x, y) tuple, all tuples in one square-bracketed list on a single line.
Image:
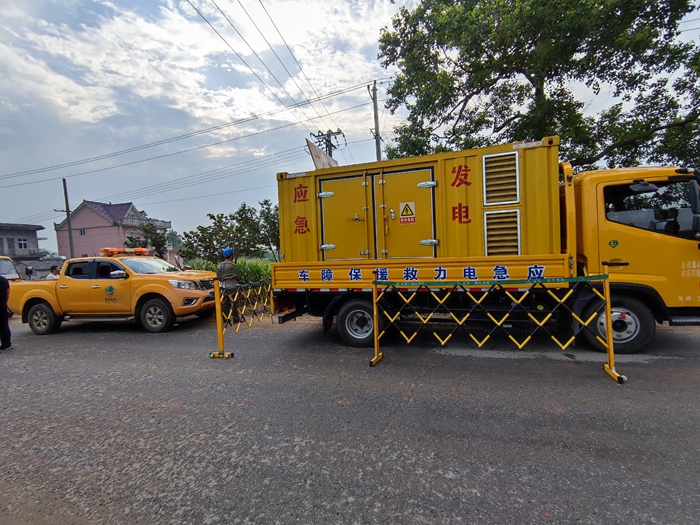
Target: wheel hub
[(625, 325)]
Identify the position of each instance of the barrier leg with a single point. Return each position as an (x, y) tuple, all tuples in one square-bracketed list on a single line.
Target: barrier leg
[(610, 365), (375, 317), (219, 324)]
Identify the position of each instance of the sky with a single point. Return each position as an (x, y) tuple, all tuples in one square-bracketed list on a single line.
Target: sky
[(182, 108)]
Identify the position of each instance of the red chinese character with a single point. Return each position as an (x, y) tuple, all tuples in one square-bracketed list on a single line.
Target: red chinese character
[(302, 225), (301, 193), (461, 173), (460, 213)]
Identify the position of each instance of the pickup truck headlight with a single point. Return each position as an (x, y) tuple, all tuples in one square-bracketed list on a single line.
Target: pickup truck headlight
[(185, 285)]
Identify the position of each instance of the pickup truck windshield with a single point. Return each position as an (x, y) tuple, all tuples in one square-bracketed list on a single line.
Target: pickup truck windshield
[(8, 270), (148, 265)]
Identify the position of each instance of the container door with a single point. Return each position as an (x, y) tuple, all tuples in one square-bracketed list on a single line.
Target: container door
[(345, 232), (405, 212), (646, 237)]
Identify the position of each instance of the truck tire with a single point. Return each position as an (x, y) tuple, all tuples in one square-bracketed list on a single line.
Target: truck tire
[(157, 316), (633, 325), (355, 323), (42, 320)]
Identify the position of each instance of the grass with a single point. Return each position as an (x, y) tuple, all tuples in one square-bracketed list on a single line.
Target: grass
[(251, 270)]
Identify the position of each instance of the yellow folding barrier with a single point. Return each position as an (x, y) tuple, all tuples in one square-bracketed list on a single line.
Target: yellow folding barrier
[(240, 306), (558, 292)]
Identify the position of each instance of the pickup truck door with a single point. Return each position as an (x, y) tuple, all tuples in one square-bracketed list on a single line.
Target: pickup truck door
[(73, 288), (109, 296)]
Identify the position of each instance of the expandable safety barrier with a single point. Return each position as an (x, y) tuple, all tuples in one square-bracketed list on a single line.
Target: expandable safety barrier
[(473, 313), (240, 306)]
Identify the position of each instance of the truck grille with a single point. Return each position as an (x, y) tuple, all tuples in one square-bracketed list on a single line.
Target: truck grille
[(502, 233), (501, 178), (206, 284)]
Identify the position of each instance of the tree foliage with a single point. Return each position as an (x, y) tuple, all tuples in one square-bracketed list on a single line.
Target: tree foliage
[(149, 237), (249, 231), (480, 72)]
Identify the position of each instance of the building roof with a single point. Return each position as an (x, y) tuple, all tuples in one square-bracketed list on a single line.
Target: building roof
[(113, 212), (11, 226)]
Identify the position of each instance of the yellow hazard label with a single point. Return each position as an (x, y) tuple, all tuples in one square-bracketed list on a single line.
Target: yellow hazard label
[(407, 215)]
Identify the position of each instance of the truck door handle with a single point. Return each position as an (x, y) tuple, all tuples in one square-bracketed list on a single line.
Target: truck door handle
[(609, 263), (63, 286), (95, 286)]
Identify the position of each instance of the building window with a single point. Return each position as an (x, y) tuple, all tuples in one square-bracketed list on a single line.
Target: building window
[(83, 254), (82, 232), (22, 244)]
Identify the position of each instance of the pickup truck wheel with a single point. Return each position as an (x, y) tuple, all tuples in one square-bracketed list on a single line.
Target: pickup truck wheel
[(42, 320), (156, 316), (633, 325), (355, 323)]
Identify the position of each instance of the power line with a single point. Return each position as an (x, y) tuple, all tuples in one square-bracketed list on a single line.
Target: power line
[(172, 139)]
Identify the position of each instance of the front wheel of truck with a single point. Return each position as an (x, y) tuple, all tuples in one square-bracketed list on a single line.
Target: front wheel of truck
[(42, 320), (157, 316), (633, 325), (356, 324)]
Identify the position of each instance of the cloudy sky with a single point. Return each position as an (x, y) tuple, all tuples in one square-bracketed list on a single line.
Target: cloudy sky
[(144, 102)]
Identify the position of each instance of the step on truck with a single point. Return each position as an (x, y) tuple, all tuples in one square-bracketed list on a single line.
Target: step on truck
[(504, 212)]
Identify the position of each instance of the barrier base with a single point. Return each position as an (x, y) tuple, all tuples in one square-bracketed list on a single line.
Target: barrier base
[(223, 355), (617, 377)]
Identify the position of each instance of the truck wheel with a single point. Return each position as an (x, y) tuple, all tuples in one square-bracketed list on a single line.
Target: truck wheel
[(633, 325), (355, 323), (156, 316), (41, 319)]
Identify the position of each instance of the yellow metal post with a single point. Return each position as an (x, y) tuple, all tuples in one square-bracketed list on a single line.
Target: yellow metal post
[(219, 324), (610, 365), (375, 316)]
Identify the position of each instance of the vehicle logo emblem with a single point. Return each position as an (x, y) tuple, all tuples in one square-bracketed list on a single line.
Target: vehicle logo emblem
[(109, 290), (613, 243)]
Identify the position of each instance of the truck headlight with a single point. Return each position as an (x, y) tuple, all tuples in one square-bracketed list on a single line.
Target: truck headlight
[(185, 285)]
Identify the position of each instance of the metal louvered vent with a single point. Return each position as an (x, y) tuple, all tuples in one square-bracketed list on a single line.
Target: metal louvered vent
[(501, 182), (502, 232)]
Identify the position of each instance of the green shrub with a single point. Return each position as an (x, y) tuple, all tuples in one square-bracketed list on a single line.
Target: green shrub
[(251, 270)]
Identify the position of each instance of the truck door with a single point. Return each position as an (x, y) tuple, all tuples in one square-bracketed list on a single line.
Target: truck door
[(109, 296), (646, 237), (73, 288), (345, 232), (405, 214)]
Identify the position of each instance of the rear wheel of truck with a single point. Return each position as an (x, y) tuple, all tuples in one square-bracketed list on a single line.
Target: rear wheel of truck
[(42, 320), (633, 325), (157, 316), (355, 323)]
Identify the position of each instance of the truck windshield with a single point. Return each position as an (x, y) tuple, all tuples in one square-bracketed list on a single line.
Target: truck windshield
[(8, 269), (149, 265)]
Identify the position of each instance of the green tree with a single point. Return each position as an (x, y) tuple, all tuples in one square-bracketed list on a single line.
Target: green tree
[(149, 237), (248, 231), (479, 72)]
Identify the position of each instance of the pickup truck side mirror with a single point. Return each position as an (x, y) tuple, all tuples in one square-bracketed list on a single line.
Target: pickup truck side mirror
[(118, 274), (29, 271)]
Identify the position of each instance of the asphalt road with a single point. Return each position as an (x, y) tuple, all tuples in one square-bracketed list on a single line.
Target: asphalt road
[(105, 423)]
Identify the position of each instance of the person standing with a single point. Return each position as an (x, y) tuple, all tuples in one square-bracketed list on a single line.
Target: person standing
[(55, 270), (5, 334), (229, 278)]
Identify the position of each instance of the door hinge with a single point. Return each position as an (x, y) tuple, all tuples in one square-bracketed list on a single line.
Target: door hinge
[(381, 181), (427, 184), (428, 242), (324, 194), (327, 247), (385, 251), (365, 252)]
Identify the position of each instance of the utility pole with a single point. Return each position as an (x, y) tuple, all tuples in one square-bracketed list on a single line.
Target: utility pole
[(70, 228), (325, 140), (377, 136)]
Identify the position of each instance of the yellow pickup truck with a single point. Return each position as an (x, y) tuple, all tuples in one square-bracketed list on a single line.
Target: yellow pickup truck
[(121, 284)]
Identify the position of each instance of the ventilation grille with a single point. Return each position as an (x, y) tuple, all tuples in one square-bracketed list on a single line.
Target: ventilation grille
[(501, 178), (502, 233)]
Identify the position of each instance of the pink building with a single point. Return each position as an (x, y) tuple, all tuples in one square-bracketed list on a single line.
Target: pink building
[(98, 225)]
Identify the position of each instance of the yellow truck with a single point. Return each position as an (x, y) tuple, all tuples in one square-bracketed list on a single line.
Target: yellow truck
[(121, 284), (509, 212)]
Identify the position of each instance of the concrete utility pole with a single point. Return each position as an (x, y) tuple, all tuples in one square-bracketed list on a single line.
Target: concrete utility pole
[(377, 136), (70, 228), (324, 140)]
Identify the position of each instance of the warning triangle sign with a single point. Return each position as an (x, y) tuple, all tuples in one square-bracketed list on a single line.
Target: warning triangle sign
[(406, 211)]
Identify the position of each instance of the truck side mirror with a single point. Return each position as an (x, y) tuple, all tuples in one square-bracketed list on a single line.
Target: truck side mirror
[(118, 274), (29, 271)]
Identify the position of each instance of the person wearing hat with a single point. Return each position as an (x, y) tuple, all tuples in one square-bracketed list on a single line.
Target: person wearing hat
[(229, 278)]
